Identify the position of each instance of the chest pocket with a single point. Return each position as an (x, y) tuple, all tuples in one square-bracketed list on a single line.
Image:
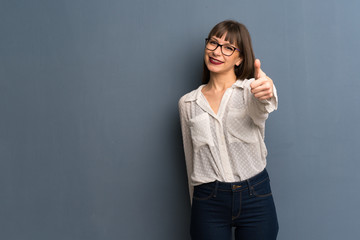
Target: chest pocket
[(240, 126), (201, 131)]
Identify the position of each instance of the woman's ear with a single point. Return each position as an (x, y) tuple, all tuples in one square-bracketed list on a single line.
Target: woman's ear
[(239, 62)]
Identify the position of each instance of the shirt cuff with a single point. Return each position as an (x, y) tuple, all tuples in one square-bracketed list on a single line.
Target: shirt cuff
[(272, 103)]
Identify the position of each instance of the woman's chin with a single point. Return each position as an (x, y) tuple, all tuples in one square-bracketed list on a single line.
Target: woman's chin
[(213, 69)]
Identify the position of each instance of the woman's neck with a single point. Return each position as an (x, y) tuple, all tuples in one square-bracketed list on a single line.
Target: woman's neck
[(221, 82)]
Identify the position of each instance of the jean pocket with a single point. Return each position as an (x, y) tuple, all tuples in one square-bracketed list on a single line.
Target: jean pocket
[(202, 193), (262, 189)]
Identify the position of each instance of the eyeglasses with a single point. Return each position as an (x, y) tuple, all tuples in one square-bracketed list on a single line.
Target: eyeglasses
[(226, 49)]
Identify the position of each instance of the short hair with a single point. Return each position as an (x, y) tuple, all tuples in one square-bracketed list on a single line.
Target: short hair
[(237, 34)]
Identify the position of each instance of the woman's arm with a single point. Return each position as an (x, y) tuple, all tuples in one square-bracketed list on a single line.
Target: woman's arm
[(260, 96), (187, 142)]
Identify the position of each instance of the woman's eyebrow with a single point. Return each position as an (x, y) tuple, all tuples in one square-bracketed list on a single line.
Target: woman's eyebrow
[(228, 43)]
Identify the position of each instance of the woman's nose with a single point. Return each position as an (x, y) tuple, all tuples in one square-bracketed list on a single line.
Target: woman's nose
[(217, 51)]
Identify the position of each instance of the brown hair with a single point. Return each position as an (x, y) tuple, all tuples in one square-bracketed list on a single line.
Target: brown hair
[(236, 33)]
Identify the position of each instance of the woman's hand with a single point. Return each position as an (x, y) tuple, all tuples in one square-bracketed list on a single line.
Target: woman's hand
[(262, 87)]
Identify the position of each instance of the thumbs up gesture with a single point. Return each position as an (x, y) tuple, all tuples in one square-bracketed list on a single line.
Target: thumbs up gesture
[(262, 87)]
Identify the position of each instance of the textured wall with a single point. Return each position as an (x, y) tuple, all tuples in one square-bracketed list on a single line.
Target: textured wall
[(90, 144)]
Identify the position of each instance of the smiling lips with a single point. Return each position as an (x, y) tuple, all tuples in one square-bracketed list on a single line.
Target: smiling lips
[(215, 61)]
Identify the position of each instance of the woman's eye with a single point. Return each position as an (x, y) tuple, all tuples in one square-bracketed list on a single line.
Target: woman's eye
[(213, 43), (229, 48)]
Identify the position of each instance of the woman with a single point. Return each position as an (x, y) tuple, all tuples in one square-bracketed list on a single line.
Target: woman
[(223, 126)]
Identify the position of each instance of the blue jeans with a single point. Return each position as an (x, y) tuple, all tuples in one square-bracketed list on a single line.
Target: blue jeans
[(247, 205)]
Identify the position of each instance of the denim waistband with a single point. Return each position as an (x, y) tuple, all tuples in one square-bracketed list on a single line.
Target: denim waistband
[(237, 186)]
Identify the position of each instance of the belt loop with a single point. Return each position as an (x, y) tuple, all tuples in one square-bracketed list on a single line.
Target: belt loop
[(250, 187), (216, 187)]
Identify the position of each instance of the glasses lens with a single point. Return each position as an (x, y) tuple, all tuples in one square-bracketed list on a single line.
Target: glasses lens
[(211, 44), (227, 50)]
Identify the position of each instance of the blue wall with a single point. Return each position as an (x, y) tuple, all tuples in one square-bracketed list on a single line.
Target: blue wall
[(90, 144)]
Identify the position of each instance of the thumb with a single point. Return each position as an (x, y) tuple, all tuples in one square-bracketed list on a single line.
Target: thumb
[(258, 72)]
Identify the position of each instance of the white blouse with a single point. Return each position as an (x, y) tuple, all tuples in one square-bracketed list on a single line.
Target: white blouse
[(227, 146)]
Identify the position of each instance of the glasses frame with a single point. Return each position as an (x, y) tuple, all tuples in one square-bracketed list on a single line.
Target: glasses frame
[(221, 45)]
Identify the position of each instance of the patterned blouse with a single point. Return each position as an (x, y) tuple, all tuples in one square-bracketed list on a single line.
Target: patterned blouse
[(227, 146)]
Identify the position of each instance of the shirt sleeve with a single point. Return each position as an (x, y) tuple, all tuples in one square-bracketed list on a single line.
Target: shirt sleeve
[(259, 109), (187, 142)]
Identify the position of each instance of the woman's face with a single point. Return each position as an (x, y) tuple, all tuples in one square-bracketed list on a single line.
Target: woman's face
[(217, 62)]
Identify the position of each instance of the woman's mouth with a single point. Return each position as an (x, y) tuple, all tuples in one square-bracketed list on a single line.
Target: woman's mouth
[(214, 61)]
